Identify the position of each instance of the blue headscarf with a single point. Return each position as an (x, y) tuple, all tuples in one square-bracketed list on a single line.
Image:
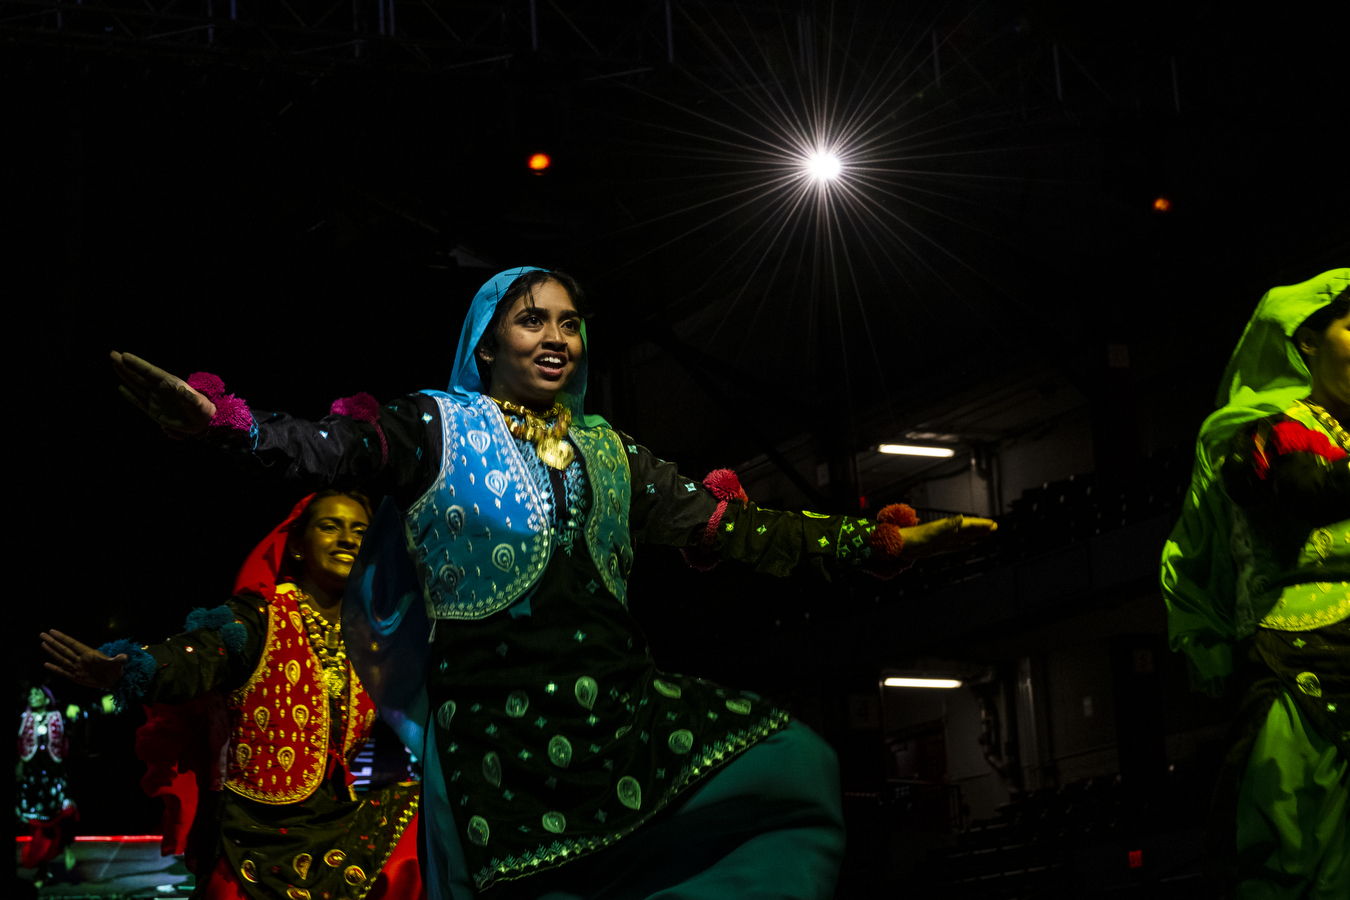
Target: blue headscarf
[(465, 381)]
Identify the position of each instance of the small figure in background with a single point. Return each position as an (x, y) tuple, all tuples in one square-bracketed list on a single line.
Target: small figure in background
[(43, 802)]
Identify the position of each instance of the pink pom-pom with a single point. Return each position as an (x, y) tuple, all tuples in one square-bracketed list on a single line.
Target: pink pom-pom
[(725, 485), (208, 384), (362, 407), (232, 414)]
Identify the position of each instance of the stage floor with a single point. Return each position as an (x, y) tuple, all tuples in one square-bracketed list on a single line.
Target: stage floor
[(107, 868)]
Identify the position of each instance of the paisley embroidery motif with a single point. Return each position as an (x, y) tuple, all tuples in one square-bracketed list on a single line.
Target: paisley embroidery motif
[(286, 756), (479, 441), (586, 691)]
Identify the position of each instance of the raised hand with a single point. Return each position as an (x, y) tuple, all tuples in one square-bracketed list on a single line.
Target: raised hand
[(945, 536), (81, 663), (177, 408)]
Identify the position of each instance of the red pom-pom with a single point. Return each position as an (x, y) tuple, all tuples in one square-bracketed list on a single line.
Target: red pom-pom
[(725, 485), (362, 407), (901, 515)]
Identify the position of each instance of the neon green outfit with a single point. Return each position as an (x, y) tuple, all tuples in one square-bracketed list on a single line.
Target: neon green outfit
[(1256, 576)]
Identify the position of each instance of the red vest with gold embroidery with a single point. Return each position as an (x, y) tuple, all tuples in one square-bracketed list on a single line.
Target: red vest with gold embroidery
[(280, 717)]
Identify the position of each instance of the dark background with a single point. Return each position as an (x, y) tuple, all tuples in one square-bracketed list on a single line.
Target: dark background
[(292, 226)]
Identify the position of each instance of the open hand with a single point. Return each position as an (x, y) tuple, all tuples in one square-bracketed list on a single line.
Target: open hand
[(179, 410), (945, 536), (81, 663)]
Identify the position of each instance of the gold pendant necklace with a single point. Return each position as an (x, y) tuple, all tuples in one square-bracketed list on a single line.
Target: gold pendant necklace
[(549, 442), (325, 640)]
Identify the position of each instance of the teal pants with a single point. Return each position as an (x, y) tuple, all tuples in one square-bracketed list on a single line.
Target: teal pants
[(769, 825), (1293, 840)]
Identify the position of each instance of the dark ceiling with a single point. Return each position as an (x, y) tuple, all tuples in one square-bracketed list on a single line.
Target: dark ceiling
[(293, 216)]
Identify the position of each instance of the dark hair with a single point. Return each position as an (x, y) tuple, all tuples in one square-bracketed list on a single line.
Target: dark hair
[(523, 286), (1321, 320)]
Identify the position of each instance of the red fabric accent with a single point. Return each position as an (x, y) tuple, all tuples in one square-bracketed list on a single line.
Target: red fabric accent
[(45, 840), (1260, 462), (401, 877), (175, 744), (1294, 437), (232, 413), (56, 736), (363, 408), (262, 569)]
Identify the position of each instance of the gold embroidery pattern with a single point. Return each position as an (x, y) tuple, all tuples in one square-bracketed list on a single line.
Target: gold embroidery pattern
[(301, 865), (277, 787), (1328, 615), (709, 757)]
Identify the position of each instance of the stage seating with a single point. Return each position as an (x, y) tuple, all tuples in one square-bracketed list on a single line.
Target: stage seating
[(1088, 838), (1056, 514)]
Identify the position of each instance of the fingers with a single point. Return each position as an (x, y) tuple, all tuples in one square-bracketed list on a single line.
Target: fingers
[(136, 372), (133, 398)]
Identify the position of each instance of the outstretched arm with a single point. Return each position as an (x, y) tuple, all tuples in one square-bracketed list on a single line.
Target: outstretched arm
[(167, 399), (218, 649), (81, 663), (718, 522), (391, 448)]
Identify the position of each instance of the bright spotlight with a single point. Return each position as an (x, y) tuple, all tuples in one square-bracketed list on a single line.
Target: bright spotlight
[(823, 166), (539, 162), (916, 450), (922, 682)]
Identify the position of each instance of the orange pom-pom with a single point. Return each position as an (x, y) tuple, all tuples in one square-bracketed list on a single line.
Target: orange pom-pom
[(901, 515), (887, 542)]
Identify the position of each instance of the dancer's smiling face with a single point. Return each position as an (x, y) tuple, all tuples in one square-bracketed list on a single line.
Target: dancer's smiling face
[(538, 347), (328, 545)]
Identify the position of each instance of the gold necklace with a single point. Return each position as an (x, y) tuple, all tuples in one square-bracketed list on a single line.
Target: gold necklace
[(549, 442), (1329, 423), (326, 641)]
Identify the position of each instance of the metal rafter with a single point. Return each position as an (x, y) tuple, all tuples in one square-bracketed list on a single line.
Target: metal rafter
[(599, 38)]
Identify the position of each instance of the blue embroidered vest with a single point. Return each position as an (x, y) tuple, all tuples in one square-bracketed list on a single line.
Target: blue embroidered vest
[(483, 533)]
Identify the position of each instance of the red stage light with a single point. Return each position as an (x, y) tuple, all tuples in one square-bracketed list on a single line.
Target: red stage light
[(1136, 859), (1162, 204), (539, 162)]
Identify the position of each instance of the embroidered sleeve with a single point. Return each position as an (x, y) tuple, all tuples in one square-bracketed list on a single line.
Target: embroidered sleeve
[(1279, 465), (219, 650), (393, 450), (668, 508)]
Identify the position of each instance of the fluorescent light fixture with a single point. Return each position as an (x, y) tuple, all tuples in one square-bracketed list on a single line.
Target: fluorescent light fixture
[(922, 682), (916, 450)]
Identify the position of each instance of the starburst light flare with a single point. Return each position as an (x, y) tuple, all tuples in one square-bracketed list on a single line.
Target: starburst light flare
[(823, 166)]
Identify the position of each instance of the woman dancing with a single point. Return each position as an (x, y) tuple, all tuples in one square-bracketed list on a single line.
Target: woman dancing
[(559, 760), (287, 825), (1256, 576)]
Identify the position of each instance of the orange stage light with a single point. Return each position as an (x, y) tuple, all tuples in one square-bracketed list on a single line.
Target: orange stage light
[(1162, 204), (540, 161)]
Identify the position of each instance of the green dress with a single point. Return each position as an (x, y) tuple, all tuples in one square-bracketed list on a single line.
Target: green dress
[(1256, 576)]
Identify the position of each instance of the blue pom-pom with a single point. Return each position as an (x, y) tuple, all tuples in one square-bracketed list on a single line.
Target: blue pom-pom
[(235, 635), (214, 619), (136, 672)]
